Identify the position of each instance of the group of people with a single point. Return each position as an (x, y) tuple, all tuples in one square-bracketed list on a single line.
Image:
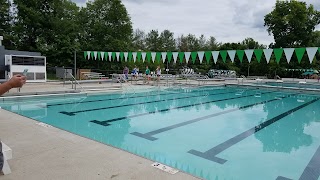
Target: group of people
[(148, 73)]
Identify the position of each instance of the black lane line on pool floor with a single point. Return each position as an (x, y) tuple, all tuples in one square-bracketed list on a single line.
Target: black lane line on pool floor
[(211, 153), (312, 171), (110, 99), (149, 135), (133, 104), (107, 122)]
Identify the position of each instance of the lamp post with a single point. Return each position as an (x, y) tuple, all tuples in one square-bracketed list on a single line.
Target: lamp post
[(248, 69), (75, 69)]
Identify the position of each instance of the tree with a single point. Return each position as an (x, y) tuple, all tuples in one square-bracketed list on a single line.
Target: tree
[(292, 23), (6, 23), (139, 40), (153, 41), (106, 26), (167, 41)]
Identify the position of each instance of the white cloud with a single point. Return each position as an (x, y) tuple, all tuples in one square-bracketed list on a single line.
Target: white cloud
[(226, 20)]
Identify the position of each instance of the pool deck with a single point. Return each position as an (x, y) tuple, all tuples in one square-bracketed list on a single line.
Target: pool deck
[(50, 153)]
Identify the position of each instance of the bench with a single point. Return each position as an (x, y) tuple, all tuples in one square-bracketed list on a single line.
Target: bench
[(93, 75), (7, 154)]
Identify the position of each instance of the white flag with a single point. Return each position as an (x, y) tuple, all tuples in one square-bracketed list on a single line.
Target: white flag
[(134, 54), (311, 51), (232, 54), (102, 55), (201, 54), (267, 54), (249, 53), (175, 56), (187, 56), (117, 55), (163, 54), (215, 55), (125, 56), (88, 54), (95, 53), (144, 54), (153, 55), (288, 52)]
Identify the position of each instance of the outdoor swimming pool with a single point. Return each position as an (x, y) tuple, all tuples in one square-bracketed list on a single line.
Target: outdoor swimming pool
[(209, 132)]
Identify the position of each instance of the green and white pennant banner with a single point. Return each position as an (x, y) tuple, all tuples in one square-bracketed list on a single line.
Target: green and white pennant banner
[(144, 54), (201, 54), (249, 53), (163, 55), (175, 56), (288, 53), (268, 54), (125, 56), (134, 54), (187, 56), (232, 54), (311, 51), (215, 55), (153, 55)]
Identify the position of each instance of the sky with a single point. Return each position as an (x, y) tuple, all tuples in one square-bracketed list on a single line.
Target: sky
[(226, 20)]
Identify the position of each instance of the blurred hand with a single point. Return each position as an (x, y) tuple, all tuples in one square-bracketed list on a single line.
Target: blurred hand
[(17, 81)]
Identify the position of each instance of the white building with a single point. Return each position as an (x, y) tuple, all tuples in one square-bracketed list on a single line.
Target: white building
[(15, 62)]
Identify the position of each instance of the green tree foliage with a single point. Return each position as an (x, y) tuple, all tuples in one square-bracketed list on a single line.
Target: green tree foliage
[(291, 22), (6, 23)]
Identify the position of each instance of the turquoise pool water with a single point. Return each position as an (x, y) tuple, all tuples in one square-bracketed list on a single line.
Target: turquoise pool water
[(294, 85), (209, 132)]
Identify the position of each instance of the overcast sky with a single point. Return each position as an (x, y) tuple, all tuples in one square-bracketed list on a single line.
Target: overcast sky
[(226, 20)]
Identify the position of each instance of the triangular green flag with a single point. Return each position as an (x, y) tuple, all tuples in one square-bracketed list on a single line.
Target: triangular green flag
[(181, 56), (258, 53), (319, 49), (208, 55), (85, 54), (158, 57), (149, 56), (92, 55), (240, 54), (300, 53), (278, 53), (169, 56), (139, 56), (99, 55), (129, 56), (113, 56), (194, 56), (223, 54), (121, 56)]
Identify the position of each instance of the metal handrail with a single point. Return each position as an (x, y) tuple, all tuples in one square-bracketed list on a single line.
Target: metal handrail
[(75, 88), (121, 77)]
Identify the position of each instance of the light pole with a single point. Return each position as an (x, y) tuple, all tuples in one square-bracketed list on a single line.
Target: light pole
[(75, 69), (248, 69)]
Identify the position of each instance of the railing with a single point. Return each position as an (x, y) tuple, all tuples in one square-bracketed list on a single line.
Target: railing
[(122, 78), (76, 82)]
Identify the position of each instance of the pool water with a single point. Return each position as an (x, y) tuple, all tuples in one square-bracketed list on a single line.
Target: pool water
[(295, 85), (209, 132)]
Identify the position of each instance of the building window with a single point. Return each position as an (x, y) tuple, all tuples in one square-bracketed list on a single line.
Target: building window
[(28, 61)]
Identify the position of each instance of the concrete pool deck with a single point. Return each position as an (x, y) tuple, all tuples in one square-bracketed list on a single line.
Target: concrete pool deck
[(50, 153)]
